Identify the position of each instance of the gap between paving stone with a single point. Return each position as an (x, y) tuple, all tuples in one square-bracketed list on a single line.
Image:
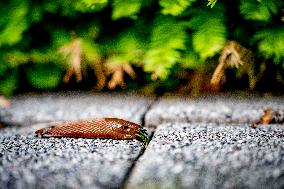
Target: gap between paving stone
[(234, 156), (135, 162), (130, 163), (157, 111), (129, 173), (151, 134)]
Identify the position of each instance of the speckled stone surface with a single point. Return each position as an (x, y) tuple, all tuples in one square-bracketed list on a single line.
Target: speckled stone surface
[(198, 143), (204, 155), (211, 109), (30, 162), (31, 108)]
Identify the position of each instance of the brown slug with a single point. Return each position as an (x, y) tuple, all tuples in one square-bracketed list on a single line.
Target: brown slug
[(112, 128)]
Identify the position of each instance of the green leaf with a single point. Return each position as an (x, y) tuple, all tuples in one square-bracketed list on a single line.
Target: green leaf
[(209, 30), (13, 22), (16, 58), (36, 13), (260, 10), (270, 43), (191, 60), (90, 5), (44, 76), (9, 83), (91, 50), (211, 3), (60, 37), (3, 67), (174, 7), (167, 41), (127, 47), (126, 9)]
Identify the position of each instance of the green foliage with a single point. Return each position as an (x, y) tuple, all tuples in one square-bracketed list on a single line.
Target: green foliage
[(167, 40), (91, 5), (175, 7), (126, 49), (270, 43), (126, 8), (161, 37), (260, 10), (60, 37), (8, 77), (44, 76), (191, 60), (72, 8), (211, 3), (9, 83), (210, 32), (13, 21), (91, 51)]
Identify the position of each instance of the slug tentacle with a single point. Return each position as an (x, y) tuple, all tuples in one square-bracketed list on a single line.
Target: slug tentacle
[(142, 136), (112, 128)]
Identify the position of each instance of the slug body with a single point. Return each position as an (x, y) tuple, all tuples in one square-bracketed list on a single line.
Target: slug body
[(112, 128)]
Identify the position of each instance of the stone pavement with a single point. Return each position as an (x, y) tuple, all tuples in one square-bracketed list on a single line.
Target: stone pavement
[(197, 143)]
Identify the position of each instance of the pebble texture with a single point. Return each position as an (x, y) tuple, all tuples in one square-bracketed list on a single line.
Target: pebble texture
[(211, 109), (199, 143), (29, 109), (30, 162), (209, 156)]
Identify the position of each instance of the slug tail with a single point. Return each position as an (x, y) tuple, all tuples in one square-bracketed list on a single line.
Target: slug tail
[(40, 133)]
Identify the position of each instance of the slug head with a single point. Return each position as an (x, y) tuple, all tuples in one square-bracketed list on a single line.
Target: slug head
[(128, 130)]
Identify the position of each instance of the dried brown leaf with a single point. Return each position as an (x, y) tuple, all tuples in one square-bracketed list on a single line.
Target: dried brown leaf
[(235, 55), (117, 74), (265, 119), (116, 79), (218, 74), (129, 70), (100, 74), (73, 51)]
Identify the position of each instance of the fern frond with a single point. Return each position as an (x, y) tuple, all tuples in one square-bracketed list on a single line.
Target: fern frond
[(90, 5), (60, 37), (9, 83), (13, 21), (122, 52), (126, 8), (209, 30), (44, 76), (211, 3), (167, 40), (260, 10), (271, 43), (175, 7), (191, 60), (126, 48)]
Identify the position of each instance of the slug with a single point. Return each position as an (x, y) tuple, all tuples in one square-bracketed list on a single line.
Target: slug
[(112, 128)]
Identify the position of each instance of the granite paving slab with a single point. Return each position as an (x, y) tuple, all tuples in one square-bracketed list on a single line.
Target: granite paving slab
[(31, 108), (210, 155), (211, 109), (27, 161)]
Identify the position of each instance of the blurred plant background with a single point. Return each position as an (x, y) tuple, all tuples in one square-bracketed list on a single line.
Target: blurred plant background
[(186, 46)]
